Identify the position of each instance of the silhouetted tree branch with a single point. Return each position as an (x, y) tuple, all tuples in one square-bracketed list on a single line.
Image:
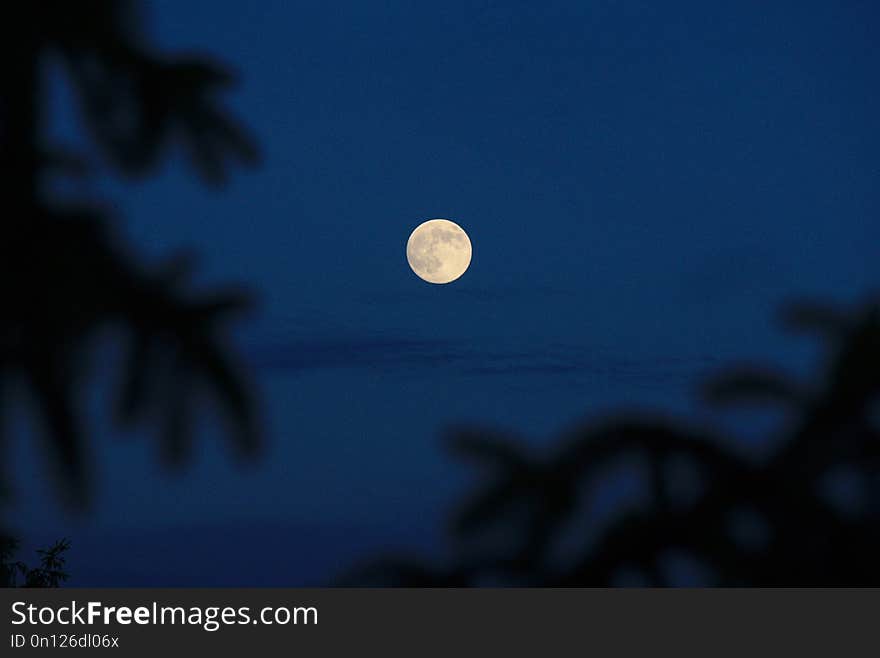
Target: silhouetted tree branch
[(66, 277), (533, 500), (49, 573)]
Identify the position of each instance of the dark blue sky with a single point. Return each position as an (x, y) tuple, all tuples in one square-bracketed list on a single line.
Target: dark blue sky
[(642, 182)]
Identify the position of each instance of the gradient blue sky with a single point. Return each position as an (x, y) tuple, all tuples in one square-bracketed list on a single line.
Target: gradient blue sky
[(642, 182)]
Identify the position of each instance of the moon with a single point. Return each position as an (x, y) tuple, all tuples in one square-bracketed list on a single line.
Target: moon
[(438, 251)]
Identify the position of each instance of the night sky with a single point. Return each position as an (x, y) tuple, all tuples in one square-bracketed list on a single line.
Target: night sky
[(643, 184)]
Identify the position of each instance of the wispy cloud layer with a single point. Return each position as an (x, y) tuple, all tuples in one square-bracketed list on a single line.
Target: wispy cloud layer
[(479, 359)]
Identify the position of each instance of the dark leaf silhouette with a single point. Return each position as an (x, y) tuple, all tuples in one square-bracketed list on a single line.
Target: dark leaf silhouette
[(68, 278), (49, 573), (137, 102), (813, 316)]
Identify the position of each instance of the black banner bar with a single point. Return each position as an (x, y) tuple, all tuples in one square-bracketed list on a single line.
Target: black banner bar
[(410, 622)]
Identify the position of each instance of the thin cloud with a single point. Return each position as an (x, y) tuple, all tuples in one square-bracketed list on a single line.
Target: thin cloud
[(399, 354)]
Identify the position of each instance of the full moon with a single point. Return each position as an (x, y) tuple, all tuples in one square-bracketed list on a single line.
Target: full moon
[(438, 251)]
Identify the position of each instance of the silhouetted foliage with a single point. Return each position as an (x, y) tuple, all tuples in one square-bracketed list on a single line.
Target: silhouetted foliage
[(50, 572), (66, 276), (750, 521)]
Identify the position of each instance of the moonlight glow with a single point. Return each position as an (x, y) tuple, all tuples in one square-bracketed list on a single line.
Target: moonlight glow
[(438, 251)]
